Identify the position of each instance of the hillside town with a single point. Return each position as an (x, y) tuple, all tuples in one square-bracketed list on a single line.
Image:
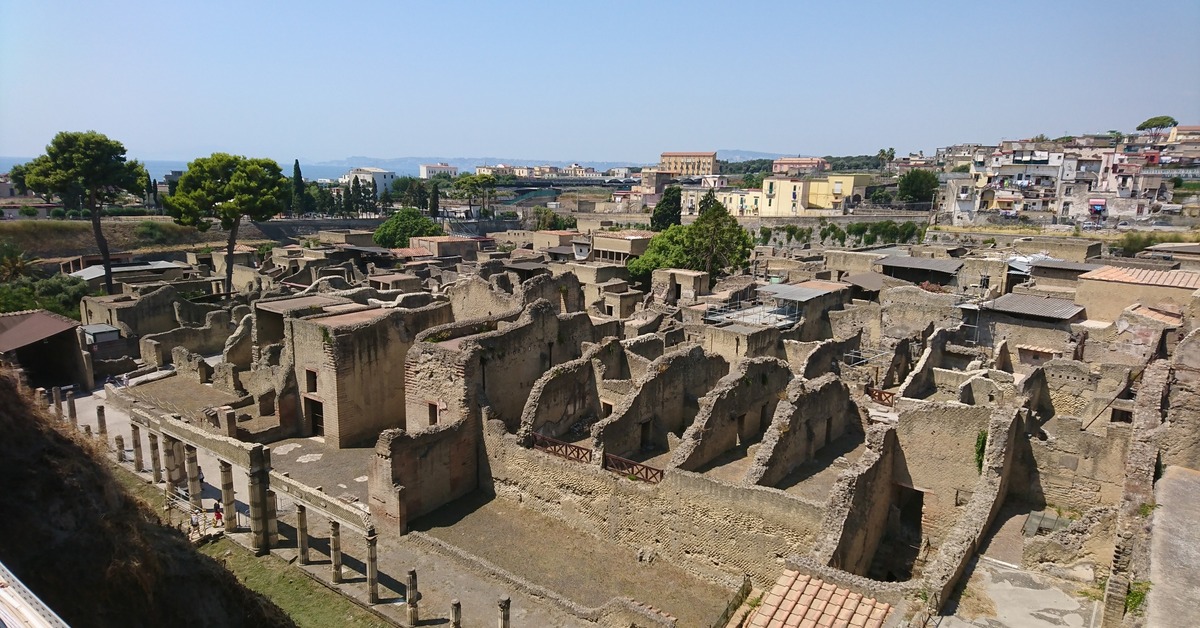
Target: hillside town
[(666, 395)]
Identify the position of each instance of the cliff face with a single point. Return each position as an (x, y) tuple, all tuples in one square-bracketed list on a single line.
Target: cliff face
[(93, 553)]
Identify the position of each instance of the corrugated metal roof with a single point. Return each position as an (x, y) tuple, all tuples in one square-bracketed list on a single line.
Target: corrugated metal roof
[(949, 266), (1032, 305), (19, 329), (1142, 276), (1057, 264), (97, 271)]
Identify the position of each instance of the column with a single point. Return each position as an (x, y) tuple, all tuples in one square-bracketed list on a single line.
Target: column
[(58, 411), (169, 462), (193, 476), (272, 519), (411, 597), (335, 550), (228, 505), (372, 569), (120, 448), (455, 614), (302, 532), (155, 464), (102, 425), (135, 435), (229, 421), (71, 409), (258, 515), (505, 603)]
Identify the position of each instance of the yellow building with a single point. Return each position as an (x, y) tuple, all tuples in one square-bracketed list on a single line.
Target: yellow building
[(833, 191), (688, 164)]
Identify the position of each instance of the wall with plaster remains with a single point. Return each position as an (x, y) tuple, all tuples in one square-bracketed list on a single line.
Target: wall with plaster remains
[(813, 414), (737, 410)]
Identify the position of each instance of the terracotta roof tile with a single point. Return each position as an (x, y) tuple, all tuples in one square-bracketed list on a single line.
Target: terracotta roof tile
[(802, 601), (1144, 276)]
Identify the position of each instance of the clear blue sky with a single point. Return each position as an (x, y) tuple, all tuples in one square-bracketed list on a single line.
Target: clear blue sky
[(587, 81)]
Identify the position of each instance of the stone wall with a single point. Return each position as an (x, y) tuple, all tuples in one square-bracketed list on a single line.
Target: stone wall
[(858, 317), (667, 397), (860, 503), (206, 340), (937, 457), (414, 473), (736, 342), (850, 262), (910, 311), (569, 392), (711, 529), (738, 409), (1181, 444), (136, 316), (355, 367), (497, 366), (814, 414)]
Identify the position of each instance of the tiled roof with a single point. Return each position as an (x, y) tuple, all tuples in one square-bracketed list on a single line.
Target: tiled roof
[(1165, 278), (411, 251), (803, 601)]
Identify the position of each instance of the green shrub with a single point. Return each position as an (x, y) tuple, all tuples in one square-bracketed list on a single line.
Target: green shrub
[(980, 449), (29, 212), (60, 294), (73, 215), (58, 213), (1136, 597), (151, 232)]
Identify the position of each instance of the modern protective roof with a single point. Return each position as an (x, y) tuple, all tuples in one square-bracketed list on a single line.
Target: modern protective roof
[(1033, 305), (20, 329), (97, 271), (1142, 276), (98, 328), (941, 265), (800, 292)]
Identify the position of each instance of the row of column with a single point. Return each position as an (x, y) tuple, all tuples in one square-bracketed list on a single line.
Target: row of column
[(262, 502)]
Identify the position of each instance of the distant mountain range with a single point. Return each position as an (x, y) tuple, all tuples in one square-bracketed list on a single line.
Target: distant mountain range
[(411, 165), (733, 154)]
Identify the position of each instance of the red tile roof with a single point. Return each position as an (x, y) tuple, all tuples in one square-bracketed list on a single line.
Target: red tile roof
[(803, 601), (1166, 278)]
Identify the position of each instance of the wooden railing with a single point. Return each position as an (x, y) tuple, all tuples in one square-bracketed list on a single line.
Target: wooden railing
[(632, 470), (561, 449), (882, 396)]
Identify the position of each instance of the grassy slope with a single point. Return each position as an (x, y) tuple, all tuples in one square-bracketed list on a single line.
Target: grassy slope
[(65, 238), (307, 602), (96, 555)]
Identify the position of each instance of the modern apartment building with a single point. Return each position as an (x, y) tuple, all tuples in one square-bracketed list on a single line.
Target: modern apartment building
[(383, 178), (688, 164), (428, 171)]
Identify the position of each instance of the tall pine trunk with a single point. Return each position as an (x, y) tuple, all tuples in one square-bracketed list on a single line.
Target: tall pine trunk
[(101, 242), (229, 255)]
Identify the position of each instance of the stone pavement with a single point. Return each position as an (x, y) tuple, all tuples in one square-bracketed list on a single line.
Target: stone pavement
[(1175, 552), (997, 596)]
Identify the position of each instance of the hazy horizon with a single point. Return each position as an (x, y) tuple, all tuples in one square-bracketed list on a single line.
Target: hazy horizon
[(616, 83)]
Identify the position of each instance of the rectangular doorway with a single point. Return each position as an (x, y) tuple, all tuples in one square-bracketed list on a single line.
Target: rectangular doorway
[(316, 413)]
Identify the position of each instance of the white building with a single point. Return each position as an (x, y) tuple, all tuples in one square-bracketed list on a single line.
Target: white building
[(428, 171), (383, 179)]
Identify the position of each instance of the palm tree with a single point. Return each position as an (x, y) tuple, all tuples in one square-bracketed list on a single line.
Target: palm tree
[(882, 156), (15, 263)]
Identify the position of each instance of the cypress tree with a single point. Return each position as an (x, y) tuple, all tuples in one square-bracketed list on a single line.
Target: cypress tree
[(297, 188), (433, 199)]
